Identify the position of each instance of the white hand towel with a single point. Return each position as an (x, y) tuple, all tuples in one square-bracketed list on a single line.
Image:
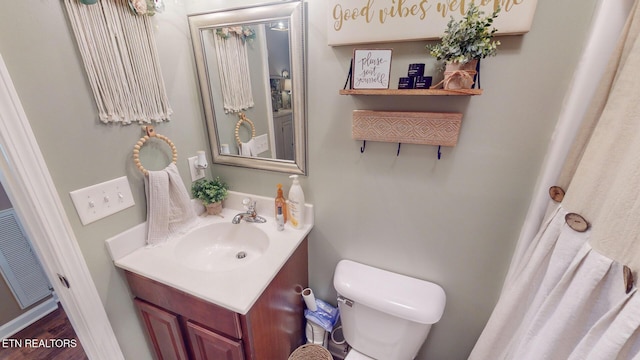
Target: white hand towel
[(169, 210), (244, 150), (247, 149), (156, 185), (181, 212)]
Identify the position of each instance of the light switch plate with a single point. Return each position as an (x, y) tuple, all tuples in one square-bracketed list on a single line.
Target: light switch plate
[(196, 173), (101, 200), (261, 143)]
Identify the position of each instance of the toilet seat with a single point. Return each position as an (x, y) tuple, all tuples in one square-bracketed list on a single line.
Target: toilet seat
[(355, 355)]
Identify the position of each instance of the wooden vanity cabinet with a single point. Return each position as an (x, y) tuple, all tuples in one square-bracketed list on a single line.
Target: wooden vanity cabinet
[(182, 326), (163, 329), (207, 344)]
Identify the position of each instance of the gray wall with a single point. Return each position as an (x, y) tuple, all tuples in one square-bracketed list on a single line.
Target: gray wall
[(452, 221), (278, 46), (9, 307), (39, 50)]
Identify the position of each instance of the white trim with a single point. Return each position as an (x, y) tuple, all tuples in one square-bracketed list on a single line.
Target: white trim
[(31, 190), (27, 318), (266, 80)]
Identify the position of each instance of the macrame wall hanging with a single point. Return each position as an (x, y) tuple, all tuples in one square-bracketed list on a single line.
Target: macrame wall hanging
[(119, 53), (233, 66)]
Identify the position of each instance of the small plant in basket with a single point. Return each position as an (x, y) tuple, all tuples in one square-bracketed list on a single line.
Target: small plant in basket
[(211, 193), (464, 43)]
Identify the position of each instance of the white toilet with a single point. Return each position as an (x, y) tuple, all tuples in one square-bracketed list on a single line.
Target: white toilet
[(385, 316)]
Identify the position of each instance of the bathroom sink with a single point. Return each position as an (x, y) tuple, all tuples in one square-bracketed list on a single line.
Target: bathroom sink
[(221, 247)]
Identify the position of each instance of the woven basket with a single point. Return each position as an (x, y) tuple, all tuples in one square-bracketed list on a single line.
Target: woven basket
[(457, 76), (214, 208), (311, 352)]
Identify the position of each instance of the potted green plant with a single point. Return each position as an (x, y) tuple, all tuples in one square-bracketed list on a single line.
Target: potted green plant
[(464, 43), (211, 193)]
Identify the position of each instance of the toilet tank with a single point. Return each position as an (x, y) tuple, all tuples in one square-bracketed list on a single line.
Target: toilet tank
[(385, 315)]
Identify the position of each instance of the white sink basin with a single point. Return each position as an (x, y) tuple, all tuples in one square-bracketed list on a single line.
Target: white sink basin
[(196, 264), (221, 247)]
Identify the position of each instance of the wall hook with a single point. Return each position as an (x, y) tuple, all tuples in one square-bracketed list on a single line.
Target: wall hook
[(364, 144), (398, 152), (439, 153)]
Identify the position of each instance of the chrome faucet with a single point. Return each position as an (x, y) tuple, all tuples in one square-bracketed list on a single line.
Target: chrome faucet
[(250, 215)]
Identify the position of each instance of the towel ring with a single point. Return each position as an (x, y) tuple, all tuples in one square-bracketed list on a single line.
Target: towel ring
[(151, 133), (243, 119)]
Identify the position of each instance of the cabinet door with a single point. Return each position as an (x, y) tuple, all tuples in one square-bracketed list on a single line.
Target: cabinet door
[(163, 329), (287, 135), (207, 345), (283, 134)]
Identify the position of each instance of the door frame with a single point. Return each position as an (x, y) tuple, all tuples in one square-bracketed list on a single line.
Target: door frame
[(33, 194)]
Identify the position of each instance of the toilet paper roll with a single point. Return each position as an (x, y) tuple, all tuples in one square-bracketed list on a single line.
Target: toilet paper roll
[(309, 299), (316, 334)]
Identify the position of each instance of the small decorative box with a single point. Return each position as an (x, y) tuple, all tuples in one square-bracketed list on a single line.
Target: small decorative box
[(405, 83), (416, 70), (422, 82)]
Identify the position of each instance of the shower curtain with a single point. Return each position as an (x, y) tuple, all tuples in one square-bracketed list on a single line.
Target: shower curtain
[(565, 296)]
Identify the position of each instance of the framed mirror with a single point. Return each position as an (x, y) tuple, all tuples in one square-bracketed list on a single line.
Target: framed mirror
[(250, 65)]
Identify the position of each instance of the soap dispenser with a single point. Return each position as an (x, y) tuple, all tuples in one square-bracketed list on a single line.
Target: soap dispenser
[(281, 203), (296, 204)]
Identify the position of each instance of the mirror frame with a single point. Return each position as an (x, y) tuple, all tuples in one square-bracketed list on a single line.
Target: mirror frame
[(292, 11)]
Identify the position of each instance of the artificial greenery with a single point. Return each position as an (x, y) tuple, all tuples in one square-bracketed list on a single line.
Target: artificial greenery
[(209, 191), (467, 39), (145, 7), (246, 33)]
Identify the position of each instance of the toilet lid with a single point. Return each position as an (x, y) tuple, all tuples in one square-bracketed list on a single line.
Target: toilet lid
[(355, 355)]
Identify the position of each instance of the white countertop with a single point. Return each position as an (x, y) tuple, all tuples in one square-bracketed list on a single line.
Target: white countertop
[(237, 289)]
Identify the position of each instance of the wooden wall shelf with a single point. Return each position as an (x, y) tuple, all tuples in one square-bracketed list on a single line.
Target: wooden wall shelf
[(414, 92)]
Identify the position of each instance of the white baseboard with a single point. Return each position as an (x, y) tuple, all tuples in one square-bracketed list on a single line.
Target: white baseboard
[(28, 318)]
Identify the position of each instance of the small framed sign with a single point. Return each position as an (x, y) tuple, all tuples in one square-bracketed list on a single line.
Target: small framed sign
[(371, 68)]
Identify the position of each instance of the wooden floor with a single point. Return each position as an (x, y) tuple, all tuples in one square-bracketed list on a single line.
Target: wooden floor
[(50, 338)]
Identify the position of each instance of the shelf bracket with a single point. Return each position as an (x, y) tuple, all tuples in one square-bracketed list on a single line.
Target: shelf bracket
[(349, 75)]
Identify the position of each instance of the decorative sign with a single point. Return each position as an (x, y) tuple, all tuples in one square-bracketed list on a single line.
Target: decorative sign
[(371, 68), (372, 21)]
